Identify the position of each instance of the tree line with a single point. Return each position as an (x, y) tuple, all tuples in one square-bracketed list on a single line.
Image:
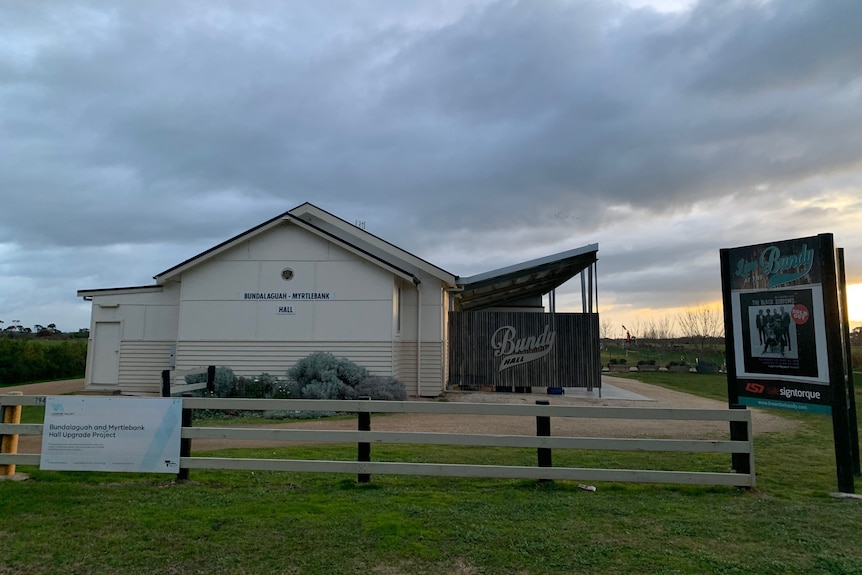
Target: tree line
[(700, 325), (15, 329), (27, 360)]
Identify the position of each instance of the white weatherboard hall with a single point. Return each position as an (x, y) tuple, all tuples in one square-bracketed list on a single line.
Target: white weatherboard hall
[(302, 282)]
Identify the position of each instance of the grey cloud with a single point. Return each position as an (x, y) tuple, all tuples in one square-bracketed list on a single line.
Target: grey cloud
[(456, 131)]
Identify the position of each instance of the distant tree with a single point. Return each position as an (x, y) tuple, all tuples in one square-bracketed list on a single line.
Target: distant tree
[(659, 331), (856, 336), (701, 324), (82, 333), (605, 329)]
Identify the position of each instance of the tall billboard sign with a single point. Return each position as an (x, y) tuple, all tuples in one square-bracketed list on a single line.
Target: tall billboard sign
[(783, 332), (778, 320)]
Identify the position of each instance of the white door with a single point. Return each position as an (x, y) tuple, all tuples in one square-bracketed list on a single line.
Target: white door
[(106, 356)]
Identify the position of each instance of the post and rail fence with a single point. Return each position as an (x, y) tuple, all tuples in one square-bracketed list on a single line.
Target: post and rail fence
[(739, 446), (174, 381)]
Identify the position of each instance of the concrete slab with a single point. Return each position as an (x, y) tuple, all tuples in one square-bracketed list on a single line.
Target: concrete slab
[(15, 477)]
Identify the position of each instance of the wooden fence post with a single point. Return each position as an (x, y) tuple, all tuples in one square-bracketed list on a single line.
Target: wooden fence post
[(364, 448), (9, 444), (211, 378), (543, 429), (166, 383), (185, 444), (741, 462)]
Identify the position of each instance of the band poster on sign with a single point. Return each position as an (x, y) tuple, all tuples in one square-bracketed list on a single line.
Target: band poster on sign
[(779, 330), (783, 331)]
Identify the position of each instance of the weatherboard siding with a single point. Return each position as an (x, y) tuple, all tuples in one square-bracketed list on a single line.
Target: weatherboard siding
[(404, 367), (141, 365), (247, 358), (432, 369)]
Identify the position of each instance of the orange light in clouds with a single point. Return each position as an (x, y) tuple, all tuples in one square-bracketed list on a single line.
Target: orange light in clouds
[(854, 302)]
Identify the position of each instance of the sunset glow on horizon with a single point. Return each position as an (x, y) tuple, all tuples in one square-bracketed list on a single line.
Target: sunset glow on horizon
[(854, 303)]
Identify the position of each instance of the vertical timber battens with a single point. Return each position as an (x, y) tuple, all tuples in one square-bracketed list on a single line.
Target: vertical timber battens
[(474, 364)]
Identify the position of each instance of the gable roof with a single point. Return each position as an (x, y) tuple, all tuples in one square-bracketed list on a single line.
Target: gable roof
[(369, 242), (489, 289), (332, 228)]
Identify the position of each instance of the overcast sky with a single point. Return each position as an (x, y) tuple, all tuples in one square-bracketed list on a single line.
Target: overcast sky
[(134, 135)]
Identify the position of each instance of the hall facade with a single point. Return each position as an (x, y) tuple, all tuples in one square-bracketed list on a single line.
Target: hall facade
[(301, 282)]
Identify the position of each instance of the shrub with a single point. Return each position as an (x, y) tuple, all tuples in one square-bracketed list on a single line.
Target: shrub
[(617, 361), (23, 361), (224, 382), (261, 386), (706, 367), (646, 362), (378, 387), (321, 375)]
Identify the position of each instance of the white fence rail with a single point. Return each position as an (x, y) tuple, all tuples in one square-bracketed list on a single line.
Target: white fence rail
[(739, 444), (174, 381)]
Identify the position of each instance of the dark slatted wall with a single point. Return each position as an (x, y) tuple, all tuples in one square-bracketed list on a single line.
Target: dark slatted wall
[(573, 359)]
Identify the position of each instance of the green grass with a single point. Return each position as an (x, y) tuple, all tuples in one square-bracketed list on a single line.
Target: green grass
[(287, 523), (713, 386)]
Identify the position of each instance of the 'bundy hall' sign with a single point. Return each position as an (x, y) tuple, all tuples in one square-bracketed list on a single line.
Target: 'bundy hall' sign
[(519, 351)]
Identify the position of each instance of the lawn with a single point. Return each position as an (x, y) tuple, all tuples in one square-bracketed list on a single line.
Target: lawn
[(267, 522)]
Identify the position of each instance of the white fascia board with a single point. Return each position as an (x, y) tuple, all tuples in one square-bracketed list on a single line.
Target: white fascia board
[(90, 293), (179, 270), (352, 249), (361, 235), (529, 264)]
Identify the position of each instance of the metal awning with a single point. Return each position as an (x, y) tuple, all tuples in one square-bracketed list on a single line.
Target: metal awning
[(535, 278)]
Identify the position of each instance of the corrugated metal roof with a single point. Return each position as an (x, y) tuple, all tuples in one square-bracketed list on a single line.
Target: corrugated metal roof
[(497, 288)]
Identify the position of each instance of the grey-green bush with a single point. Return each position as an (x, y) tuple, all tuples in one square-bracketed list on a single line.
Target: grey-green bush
[(379, 387), (261, 386), (224, 381), (321, 375)]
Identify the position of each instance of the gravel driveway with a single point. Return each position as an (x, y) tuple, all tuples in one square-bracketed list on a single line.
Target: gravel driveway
[(512, 425)]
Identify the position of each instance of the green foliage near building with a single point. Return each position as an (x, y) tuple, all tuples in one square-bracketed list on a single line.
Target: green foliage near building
[(29, 360), (321, 375)]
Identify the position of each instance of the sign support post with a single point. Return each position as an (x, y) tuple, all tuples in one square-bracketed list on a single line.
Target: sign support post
[(848, 364), (840, 399)]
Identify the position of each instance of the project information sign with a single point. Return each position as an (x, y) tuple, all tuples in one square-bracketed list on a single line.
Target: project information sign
[(778, 325), (111, 434)]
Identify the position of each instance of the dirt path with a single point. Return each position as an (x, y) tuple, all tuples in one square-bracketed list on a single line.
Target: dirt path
[(763, 421), (47, 388)]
